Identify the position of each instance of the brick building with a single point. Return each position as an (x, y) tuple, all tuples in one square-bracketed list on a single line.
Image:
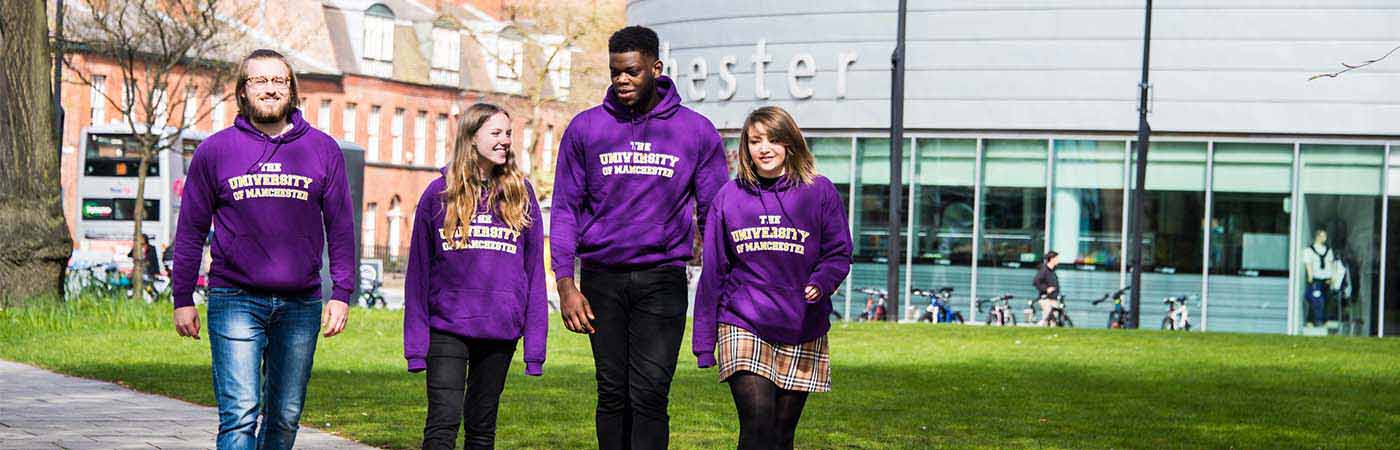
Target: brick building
[(390, 76)]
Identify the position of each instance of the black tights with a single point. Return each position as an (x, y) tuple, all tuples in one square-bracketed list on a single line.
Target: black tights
[(767, 415)]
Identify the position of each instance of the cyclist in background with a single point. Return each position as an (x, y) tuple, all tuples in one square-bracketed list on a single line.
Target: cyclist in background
[(1048, 285)]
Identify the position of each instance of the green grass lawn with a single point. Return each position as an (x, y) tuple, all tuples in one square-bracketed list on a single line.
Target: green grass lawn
[(895, 386)]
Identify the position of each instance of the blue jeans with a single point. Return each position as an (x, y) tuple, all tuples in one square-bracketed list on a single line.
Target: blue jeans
[(262, 350)]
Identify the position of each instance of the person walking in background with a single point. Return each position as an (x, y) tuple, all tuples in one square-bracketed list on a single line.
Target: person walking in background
[(276, 191), (151, 259), (475, 282), (631, 173), (1047, 284), (776, 247)]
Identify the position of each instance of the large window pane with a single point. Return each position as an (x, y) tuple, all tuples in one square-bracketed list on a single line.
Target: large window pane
[(1340, 232), (944, 171), (1013, 216), (833, 161), (1249, 240), (1086, 219), (872, 215), (1173, 234)]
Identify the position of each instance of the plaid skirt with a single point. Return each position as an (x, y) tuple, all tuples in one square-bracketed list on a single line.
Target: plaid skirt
[(804, 367)]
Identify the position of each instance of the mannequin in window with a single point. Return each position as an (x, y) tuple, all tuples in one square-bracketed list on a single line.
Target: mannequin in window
[(1319, 262)]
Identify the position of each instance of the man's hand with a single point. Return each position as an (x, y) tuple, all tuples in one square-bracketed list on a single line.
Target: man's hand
[(333, 317), (573, 308), (187, 322), (811, 294), (1050, 290)]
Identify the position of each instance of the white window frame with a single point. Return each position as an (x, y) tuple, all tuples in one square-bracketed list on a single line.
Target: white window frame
[(378, 43), (323, 116), (440, 143), (510, 59), (98, 100), (560, 69), (522, 157), (372, 147), (220, 111), (395, 216), (447, 49), (420, 139), (367, 230), (396, 137), (348, 122), (190, 107), (547, 149), (162, 107)]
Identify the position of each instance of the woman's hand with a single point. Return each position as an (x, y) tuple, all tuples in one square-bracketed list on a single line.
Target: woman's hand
[(812, 294)]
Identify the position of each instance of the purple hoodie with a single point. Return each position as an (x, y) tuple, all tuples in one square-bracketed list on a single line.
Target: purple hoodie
[(763, 247), (624, 184), (274, 203), (486, 285)]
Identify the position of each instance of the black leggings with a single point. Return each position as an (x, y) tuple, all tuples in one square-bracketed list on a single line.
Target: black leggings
[(767, 415)]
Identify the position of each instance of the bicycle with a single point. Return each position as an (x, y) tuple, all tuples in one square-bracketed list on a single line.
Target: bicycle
[(371, 295), (97, 280), (1058, 317), (156, 287), (937, 310), (1118, 317), (999, 313), (875, 301), (1178, 317)]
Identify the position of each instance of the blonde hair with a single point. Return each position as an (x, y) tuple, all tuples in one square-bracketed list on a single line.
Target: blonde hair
[(465, 181), (797, 161)]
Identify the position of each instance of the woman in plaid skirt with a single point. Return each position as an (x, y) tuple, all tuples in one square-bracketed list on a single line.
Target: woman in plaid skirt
[(776, 248)]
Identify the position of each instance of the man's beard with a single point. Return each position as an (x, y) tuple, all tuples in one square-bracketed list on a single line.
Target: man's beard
[(274, 115)]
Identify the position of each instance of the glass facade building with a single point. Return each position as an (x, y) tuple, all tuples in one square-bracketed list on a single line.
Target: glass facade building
[(1230, 222), (1268, 191)]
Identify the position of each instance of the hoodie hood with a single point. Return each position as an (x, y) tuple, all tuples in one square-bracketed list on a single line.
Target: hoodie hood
[(667, 107), (783, 184), (299, 128)]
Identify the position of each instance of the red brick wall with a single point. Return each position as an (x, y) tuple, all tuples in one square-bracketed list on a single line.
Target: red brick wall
[(383, 181)]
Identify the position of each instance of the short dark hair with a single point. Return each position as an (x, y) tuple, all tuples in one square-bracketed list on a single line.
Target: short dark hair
[(635, 38), (1051, 255), (245, 107)]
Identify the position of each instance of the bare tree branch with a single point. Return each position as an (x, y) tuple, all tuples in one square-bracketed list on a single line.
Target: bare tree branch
[(1351, 67), (168, 53)]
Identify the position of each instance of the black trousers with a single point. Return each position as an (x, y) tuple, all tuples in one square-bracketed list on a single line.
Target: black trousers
[(639, 318), (449, 357)]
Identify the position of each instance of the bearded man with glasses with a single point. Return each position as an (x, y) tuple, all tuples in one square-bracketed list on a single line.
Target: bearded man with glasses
[(275, 191)]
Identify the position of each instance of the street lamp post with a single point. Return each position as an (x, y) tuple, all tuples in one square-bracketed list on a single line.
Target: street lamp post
[(892, 310), (1139, 190)]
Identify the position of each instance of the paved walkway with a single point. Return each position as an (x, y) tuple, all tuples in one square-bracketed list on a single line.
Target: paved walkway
[(44, 410)]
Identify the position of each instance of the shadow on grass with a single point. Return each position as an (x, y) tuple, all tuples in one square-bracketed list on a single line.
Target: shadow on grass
[(1043, 405)]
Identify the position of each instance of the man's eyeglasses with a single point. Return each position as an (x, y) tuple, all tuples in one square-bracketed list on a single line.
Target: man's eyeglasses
[(269, 82)]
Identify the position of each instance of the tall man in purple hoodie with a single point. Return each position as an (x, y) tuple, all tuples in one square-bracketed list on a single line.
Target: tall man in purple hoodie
[(631, 174), (275, 191)]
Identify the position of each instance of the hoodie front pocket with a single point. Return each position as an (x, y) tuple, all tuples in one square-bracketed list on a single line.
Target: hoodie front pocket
[(276, 261), (485, 313), (773, 307), (616, 242)]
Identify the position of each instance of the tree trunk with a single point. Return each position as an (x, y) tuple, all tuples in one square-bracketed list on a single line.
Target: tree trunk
[(35, 246), (138, 252)]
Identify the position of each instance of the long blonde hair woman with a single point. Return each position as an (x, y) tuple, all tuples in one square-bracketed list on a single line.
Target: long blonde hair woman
[(475, 282)]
